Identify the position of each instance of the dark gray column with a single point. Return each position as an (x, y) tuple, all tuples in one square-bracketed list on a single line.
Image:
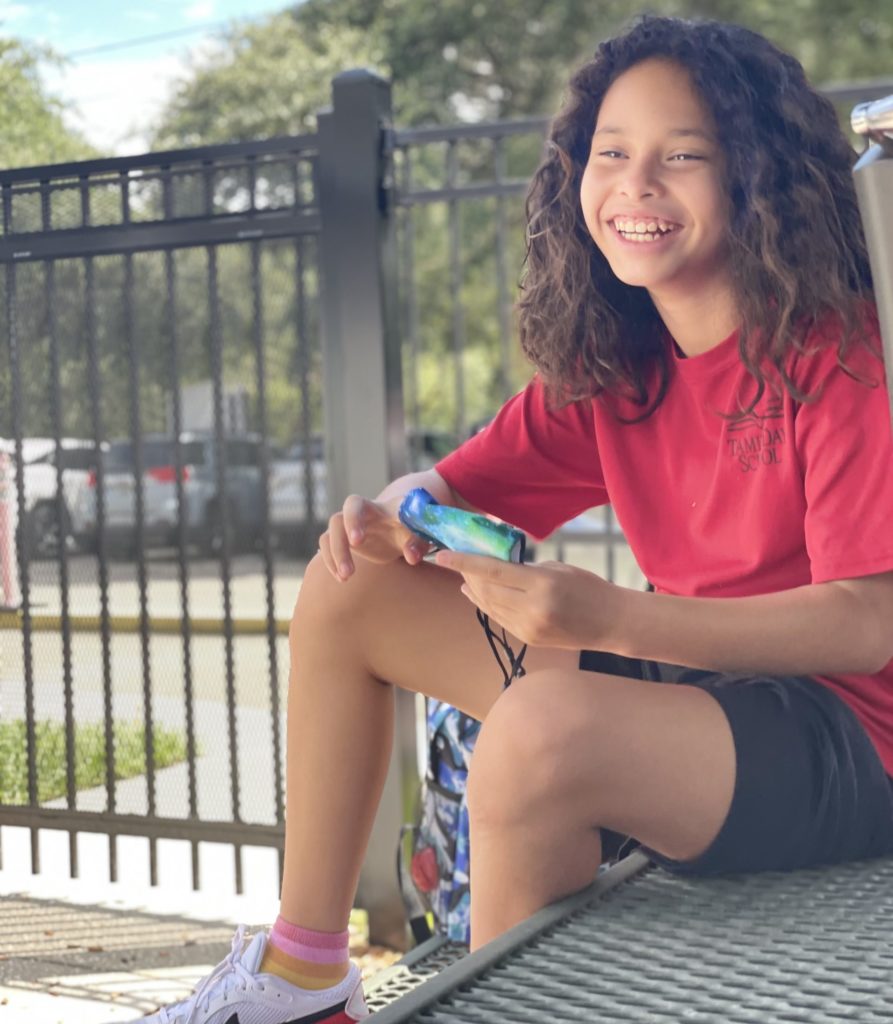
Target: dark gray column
[(363, 384), (365, 437)]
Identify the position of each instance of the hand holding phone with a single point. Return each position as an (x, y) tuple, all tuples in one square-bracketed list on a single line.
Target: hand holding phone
[(458, 530)]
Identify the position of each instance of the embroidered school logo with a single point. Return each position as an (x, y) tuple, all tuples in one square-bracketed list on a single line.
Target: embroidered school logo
[(756, 440)]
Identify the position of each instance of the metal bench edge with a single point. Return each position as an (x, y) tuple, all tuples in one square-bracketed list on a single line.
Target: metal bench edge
[(470, 966)]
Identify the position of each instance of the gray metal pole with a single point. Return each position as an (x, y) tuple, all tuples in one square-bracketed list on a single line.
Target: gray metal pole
[(363, 398), (874, 187), (365, 437)]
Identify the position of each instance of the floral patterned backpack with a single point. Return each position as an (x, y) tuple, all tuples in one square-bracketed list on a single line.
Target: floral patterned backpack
[(436, 881)]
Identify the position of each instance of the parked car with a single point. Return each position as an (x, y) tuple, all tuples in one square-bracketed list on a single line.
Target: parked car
[(203, 503), (288, 494), (45, 526)]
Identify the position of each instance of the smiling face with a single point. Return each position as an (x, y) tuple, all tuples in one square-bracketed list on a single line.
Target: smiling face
[(652, 193)]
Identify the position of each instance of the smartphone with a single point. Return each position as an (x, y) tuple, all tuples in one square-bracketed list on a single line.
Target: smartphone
[(458, 530)]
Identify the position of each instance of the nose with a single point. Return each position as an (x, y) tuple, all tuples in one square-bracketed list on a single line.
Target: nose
[(640, 178)]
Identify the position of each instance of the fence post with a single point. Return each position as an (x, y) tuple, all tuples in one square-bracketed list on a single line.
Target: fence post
[(363, 397)]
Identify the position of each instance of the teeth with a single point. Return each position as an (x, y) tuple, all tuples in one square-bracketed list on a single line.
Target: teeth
[(642, 227)]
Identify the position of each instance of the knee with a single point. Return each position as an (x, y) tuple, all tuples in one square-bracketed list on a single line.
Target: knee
[(317, 592), (519, 765), (322, 598)]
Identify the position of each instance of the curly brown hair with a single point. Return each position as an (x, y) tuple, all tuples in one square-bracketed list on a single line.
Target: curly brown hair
[(795, 240)]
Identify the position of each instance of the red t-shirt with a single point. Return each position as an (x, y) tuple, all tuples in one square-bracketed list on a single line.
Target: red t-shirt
[(797, 493)]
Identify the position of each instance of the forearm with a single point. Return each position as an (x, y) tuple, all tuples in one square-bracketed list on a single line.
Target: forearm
[(816, 629), (431, 480)]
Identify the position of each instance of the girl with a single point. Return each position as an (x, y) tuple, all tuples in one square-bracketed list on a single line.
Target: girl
[(698, 308)]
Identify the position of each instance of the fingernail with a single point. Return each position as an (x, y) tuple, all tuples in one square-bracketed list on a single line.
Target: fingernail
[(355, 536), (345, 570)]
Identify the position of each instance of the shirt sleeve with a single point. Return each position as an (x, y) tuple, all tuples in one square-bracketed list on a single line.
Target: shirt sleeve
[(844, 442), (531, 467)]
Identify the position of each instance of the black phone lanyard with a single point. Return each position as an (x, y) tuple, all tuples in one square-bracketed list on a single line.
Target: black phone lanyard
[(514, 669)]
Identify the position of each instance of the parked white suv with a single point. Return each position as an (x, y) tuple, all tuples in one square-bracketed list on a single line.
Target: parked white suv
[(42, 530)]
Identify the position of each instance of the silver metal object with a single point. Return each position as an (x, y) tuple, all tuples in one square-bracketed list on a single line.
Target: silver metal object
[(873, 175), (874, 120)]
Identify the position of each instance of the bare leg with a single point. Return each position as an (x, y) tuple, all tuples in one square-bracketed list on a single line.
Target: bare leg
[(650, 760), (392, 625)]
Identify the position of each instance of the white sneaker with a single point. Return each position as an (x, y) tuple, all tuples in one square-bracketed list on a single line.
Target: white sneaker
[(235, 993)]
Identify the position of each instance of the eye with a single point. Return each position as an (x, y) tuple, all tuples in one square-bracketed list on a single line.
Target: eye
[(610, 152), (686, 156)]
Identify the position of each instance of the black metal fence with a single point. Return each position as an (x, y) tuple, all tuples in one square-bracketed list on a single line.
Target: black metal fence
[(124, 280), (230, 340)]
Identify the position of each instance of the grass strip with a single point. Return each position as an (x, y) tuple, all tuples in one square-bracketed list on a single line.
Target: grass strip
[(89, 756)]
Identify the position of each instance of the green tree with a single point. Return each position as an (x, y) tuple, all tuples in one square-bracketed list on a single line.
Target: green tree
[(460, 60), (267, 79), (32, 130)]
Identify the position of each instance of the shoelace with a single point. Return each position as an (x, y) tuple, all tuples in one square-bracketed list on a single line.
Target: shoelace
[(231, 972)]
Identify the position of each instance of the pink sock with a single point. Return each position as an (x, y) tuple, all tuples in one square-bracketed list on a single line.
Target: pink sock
[(306, 958)]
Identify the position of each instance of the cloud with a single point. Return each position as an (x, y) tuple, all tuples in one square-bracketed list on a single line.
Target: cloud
[(116, 120), (146, 17), (202, 10), (13, 12)]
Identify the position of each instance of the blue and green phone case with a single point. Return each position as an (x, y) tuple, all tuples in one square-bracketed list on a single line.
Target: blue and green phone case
[(458, 530)]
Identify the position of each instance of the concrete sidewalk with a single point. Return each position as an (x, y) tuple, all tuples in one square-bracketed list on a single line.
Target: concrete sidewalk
[(90, 964), (86, 952)]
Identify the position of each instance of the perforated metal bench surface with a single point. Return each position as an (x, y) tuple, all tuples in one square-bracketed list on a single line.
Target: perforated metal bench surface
[(641, 945)]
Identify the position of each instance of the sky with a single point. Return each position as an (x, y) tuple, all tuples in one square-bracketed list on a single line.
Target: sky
[(116, 91)]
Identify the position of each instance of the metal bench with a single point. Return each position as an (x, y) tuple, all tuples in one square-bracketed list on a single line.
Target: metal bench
[(642, 945)]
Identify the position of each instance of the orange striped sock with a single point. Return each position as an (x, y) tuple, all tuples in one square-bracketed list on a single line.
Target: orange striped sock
[(308, 959)]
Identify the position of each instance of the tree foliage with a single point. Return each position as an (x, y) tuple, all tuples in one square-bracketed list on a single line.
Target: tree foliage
[(264, 80), (32, 130), (460, 60)]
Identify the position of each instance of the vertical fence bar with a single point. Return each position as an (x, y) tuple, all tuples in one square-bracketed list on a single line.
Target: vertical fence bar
[(223, 520), (131, 340), (61, 518), (504, 310), (272, 654), (611, 552), (407, 265), (458, 332), (303, 361), (182, 565), (95, 376), (15, 373)]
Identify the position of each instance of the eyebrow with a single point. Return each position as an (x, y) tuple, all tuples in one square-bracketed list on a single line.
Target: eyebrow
[(697, 133)]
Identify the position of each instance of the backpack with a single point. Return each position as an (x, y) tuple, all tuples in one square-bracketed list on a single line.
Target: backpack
[(436, 881)]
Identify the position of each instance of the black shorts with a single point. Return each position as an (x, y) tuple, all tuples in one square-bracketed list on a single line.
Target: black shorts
[(810, 788)]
